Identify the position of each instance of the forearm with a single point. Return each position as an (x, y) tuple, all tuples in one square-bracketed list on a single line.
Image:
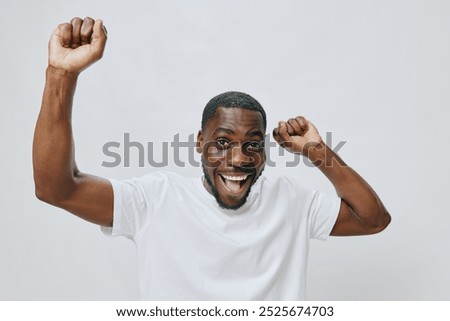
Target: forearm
[(350, 186), (53, 148)]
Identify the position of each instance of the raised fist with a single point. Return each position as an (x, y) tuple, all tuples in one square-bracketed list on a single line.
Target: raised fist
[(297, 135), (76, 45)]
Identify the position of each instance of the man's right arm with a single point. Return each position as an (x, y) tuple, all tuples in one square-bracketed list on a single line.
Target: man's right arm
[(73, 47)]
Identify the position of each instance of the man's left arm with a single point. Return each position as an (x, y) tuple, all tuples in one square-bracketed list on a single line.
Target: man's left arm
[(361, 211)]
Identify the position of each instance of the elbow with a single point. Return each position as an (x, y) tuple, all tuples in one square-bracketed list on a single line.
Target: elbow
[(382, 222), (44, 196), (48, 195), (43, 188), (39, 194), (52, 191)]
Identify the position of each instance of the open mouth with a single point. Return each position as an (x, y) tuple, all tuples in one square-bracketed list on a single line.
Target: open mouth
[(235, 183)]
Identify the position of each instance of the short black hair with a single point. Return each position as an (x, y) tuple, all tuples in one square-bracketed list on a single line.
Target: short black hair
[(232, 99)]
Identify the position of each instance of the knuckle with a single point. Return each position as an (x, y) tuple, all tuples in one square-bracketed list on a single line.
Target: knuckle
[(64, 26), (76, 20)]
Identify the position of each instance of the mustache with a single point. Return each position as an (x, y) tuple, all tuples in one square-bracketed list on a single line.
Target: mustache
[(230, 168), (241, 169)]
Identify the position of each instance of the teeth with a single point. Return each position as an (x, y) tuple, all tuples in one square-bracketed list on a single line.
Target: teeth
[(233, 183), (235, 178)]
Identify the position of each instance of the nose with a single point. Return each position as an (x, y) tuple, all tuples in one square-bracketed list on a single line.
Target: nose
[(238, 158)]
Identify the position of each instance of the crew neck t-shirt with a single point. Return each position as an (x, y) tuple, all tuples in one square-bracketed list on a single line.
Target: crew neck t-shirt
[(189, 248)]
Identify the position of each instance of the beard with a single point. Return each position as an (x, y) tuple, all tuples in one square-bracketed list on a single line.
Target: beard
[(216, 195)]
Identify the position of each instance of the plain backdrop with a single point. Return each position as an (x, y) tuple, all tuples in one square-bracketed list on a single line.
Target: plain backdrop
[(375, 74)]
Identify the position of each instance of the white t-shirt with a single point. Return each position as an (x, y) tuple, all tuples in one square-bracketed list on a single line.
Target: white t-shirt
[(191, 249)]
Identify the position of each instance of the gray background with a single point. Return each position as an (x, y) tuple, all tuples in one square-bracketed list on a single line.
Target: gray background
[(374, 73)]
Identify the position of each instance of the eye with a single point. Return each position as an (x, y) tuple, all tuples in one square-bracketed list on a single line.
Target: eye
[(222, 143), (255, 146)]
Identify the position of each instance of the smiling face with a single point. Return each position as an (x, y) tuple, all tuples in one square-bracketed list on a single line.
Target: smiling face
[(232, 148)]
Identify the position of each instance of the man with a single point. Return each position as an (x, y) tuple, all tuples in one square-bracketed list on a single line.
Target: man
[(232, 235)]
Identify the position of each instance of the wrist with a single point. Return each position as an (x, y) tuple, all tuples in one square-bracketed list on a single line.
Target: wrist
[(317, 153), (60, 82), (60, 73), (314, 149), (322, 156), (60, 78)]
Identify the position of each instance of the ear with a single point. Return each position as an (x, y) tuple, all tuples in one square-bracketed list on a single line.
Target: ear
[(199, 144)]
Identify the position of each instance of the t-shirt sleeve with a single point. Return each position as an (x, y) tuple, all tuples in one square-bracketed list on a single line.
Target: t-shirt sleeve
[(134, 204), (323, 214)]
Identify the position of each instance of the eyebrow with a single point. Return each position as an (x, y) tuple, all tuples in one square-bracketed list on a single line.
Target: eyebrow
[(231, 132), (225, 130)]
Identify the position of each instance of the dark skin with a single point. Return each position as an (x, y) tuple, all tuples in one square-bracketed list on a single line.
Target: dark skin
[(72, 48), (361, 211), (231, 154)]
